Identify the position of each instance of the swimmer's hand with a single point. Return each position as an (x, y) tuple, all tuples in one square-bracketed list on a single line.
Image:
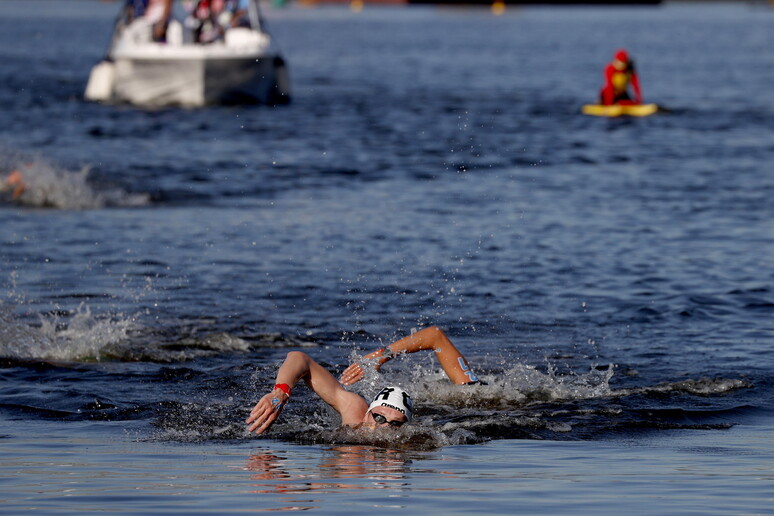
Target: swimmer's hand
[(266, 411), (354, 373)]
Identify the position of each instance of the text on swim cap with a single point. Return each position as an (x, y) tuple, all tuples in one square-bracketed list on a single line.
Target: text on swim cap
[(384, 394), (393, 407)]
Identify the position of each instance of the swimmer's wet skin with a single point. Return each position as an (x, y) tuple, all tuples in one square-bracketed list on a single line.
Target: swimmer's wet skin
[(391, 407)]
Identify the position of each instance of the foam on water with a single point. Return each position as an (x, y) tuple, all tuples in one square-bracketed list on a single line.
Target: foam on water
[(521, 401), (446, 414), (700, 387), (81, 336), (45, 185), (521, 384)]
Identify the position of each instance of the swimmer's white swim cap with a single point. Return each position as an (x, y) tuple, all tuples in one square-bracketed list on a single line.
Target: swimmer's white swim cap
[(394, 398)]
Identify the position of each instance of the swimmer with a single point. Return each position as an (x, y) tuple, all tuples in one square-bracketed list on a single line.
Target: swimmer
[(392, 407), (14, 182)]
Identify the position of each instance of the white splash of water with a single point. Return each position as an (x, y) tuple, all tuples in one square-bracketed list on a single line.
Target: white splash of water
[(45, 185), (82, 336), (520, 385)]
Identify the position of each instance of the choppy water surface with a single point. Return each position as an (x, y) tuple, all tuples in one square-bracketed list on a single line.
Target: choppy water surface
[(610, 279)]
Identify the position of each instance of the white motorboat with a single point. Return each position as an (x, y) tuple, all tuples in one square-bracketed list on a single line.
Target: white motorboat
[(242, 66)]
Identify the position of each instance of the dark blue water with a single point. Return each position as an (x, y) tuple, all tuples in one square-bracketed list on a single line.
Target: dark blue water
[(608, 278)]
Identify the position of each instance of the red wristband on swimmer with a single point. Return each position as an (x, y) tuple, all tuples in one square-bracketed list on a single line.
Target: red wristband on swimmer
[(283, 387)]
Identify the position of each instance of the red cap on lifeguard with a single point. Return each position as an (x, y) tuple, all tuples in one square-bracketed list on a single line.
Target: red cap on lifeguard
[(622, 55)]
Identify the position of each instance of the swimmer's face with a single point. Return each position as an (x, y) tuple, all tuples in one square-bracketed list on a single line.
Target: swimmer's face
[(384, 417)]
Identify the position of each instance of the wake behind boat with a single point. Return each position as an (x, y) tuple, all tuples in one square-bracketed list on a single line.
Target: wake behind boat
[(239, 66)]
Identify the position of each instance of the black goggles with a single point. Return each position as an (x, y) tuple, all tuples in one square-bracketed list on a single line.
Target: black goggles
[(380, 420)]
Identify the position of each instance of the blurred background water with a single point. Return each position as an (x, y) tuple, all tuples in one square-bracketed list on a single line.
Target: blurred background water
[(610, 279)]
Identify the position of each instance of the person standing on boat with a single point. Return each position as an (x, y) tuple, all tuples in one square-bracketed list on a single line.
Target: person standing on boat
[(237, 14), (392, 406), (209, 19), (619, 75), (203, 20), (157, 13)]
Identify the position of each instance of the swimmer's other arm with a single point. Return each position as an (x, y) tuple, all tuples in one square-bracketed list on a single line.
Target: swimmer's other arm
[(432, 338), (297, 366)]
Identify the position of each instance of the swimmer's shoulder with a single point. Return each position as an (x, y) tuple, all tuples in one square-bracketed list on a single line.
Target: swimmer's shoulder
[(352, 407)]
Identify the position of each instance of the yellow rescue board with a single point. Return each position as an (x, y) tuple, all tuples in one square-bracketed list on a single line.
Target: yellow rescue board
[(619, 110)]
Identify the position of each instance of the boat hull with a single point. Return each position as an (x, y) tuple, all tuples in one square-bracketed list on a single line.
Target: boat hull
[(191, 82)]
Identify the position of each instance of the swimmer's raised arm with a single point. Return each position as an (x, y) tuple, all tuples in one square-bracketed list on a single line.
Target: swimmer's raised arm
[(297, 366), (432, 338)]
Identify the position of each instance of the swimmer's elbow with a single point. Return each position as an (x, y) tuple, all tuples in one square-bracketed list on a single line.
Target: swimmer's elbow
[(297, 356), (297, 365)]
